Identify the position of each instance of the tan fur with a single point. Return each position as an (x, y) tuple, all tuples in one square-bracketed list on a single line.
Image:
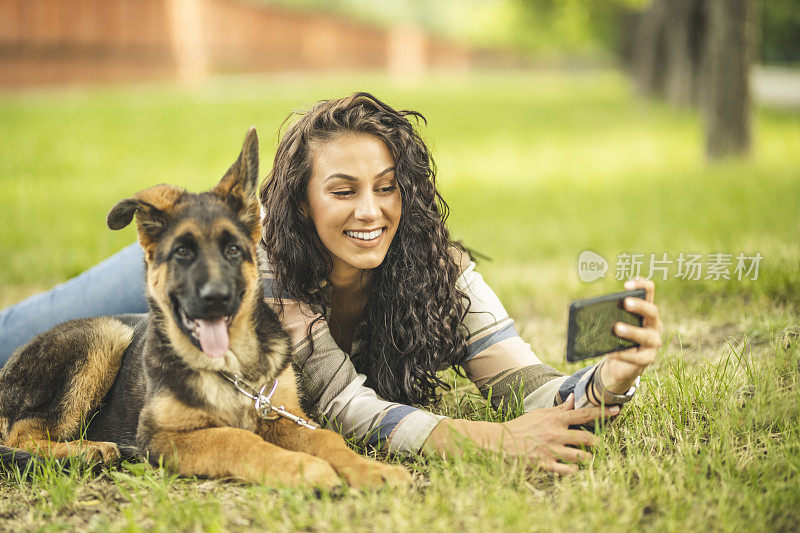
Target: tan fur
[(33, 436), (358, 471), (103, 357), (170, 414), (195, 444), (229, 405), (232, 452), (221, 226), (230, 185), (286, 393), (184, 227), (244, 342), (163, 198)]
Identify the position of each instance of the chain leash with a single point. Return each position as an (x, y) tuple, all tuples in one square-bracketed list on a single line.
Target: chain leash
[(262, 402)]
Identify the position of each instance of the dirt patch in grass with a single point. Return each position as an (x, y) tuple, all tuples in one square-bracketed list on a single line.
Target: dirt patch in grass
[(26, 510)]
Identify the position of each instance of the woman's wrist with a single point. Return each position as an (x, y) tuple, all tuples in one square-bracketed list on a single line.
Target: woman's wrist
[(604, 388), (450, 436)]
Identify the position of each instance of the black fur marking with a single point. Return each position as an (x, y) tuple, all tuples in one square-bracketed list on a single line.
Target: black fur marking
[(34, 382), (10, 457)]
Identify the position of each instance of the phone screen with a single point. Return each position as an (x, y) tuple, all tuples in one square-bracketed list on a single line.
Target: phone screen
[(591, 324)]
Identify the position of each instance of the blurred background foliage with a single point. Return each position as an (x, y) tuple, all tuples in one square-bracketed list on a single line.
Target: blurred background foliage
[(548, 30)]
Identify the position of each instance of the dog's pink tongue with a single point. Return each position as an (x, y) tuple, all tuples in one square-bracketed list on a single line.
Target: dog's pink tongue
[(213, 337)]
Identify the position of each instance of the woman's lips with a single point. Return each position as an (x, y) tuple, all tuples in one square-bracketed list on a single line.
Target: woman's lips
[(365, 239)]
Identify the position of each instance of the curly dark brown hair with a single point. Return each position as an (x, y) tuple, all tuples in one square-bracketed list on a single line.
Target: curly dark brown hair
[(414, 313)]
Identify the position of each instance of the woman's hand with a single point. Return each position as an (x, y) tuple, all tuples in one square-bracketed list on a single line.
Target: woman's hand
[(541, 437), (620, 369)]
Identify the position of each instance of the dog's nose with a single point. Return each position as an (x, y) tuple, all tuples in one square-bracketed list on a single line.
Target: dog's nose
[(215, 296)]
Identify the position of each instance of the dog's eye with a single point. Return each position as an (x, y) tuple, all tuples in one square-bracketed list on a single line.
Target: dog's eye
[(183, 252), (233, 250)]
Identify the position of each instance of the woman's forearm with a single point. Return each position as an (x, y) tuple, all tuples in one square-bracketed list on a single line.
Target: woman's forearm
[(452, 436), (541, 437)]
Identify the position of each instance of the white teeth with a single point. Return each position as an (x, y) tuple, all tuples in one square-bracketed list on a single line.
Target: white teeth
[(365, 236), (190, 324)]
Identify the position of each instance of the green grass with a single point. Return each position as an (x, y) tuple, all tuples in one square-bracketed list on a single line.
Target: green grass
[(536, 167)]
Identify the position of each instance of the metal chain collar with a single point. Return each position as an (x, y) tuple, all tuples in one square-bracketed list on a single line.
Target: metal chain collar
[(262, 403)]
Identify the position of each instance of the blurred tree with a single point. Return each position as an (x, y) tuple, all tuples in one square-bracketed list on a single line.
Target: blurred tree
[(699, 52), (731, 35), (780, 35), (668, 45), (649, 48), (685, 35)]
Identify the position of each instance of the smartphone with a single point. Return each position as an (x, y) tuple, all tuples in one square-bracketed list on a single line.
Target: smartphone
[(590, 332)]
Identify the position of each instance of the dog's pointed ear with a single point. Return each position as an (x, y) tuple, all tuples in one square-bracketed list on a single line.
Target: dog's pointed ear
[(239, 186)]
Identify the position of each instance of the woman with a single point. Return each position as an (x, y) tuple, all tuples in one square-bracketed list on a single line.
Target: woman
[(357, 260)]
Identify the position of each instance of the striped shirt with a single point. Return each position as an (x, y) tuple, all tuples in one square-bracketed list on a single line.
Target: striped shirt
[(499, 362)]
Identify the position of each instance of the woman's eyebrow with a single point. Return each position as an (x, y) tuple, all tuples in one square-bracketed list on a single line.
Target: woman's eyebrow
[(385, 171), (348, 177), (339, 175)]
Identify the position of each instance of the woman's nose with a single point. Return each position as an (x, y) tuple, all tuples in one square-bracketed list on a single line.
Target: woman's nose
[(367, 208)]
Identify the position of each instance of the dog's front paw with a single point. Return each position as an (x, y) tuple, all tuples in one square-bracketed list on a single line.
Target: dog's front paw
[(318, 473), (99, 452), (301, 469), (368, 474)]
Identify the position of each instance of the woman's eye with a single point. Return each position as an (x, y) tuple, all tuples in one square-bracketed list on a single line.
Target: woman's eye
[(183, 252), (341, 193), (389, 188), (233, 250)]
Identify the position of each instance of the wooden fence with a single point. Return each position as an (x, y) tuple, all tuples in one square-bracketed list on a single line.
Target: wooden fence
[(63, 41)]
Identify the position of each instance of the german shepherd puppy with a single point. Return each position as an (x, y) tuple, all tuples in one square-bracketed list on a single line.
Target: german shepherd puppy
[(154, 382)]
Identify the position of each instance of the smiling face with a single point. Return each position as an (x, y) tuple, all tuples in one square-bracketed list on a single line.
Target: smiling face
[(354, 201)]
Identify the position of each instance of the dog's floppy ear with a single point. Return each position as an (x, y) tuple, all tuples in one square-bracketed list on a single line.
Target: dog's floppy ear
[(150, 207), (239, 186), (150, 204)]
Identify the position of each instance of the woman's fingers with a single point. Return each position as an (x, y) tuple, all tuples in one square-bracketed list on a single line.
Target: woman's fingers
[(644, 337), (568, 404), (588, 414), (640, 358), (579, 437), (648, 310), (647, 284), (560, 468), (571, 455), (569, 459)]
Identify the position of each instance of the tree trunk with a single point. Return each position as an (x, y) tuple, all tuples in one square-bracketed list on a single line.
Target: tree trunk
[(684, 38), (649, 49), (727, 85)]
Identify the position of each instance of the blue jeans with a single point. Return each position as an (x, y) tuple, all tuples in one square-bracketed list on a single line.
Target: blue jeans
[(113, 287)]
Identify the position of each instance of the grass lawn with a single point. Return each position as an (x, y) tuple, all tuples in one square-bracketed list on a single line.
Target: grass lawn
[(536, 167)]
